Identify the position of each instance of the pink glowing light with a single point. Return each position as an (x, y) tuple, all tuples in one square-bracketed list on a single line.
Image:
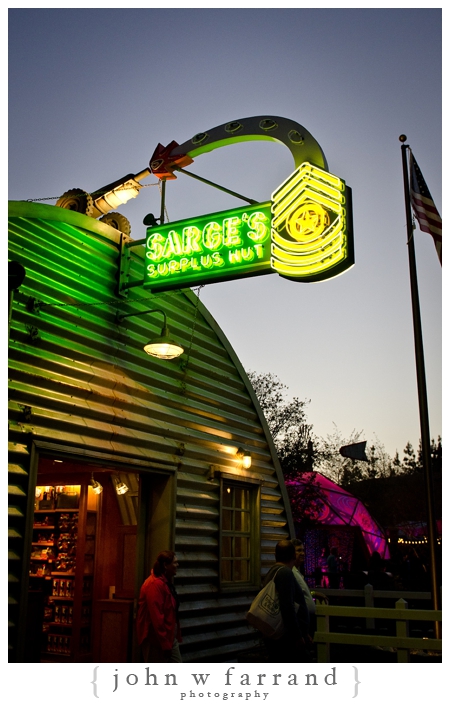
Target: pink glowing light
[(339, 507)]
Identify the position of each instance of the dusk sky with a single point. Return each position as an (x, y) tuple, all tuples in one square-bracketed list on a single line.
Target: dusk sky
[(92, 92)]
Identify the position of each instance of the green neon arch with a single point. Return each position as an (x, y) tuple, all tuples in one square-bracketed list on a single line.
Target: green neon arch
[(300, 142)]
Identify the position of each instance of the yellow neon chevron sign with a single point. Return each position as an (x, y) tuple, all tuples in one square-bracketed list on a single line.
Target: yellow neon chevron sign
[(311, 236)]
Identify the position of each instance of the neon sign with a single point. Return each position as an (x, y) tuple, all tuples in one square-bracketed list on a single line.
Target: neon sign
[(304, 233), (312, 236), (215, 247)]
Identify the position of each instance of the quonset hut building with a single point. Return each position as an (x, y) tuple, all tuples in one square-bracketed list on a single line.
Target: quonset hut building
[(87, 406)]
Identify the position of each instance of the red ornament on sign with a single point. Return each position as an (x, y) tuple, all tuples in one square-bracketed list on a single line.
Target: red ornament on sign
[(162, 163)]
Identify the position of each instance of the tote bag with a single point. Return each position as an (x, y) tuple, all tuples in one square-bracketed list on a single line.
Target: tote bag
[(264, 613)]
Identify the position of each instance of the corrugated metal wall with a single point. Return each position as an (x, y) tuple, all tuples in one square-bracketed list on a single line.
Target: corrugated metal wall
[(80, 379)]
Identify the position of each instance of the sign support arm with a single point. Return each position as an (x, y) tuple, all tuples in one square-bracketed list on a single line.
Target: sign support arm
[(216, 186)]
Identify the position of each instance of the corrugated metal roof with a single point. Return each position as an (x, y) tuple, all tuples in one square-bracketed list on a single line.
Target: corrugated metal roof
[(81, 379)]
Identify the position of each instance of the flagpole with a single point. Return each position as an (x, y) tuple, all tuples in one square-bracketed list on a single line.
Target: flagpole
[(421, 386)]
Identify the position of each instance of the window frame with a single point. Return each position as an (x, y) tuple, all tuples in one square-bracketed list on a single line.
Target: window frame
[(253, 485)]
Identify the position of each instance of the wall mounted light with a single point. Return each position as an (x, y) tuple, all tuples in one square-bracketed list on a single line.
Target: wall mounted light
[(163, 346), (245, 457), (121, 488), (96, 486)]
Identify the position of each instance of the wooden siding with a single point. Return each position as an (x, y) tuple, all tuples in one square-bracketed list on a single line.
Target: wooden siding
[(78, 379)]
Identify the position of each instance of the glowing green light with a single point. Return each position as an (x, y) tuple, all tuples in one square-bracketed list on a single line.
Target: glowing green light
[(304, 234), (209, 248)]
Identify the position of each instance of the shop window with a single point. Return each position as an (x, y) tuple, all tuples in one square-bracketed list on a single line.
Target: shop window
[(239, 535)]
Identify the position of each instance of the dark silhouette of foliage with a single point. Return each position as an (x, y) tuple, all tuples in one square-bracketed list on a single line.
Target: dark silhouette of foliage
[(286, 419), (392, 489), (294, 443)]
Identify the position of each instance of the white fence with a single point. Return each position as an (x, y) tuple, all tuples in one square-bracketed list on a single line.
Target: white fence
[(400, 642)]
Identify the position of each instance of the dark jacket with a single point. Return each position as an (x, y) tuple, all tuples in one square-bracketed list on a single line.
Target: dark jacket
[(289, 592)]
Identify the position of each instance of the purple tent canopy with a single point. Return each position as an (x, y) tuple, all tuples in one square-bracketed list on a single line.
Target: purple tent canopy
[(339, 507)]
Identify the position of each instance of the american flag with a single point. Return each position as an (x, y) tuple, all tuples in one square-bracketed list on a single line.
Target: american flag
[(423, 206)]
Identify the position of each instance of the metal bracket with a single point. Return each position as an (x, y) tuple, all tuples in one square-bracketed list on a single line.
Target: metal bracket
[(33, 333), (211, 472), (25, 414), (34, 306), (123, 273)]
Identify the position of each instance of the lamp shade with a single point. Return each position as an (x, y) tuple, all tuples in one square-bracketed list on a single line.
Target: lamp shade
[(246, 460), (245, 457), (121, 488), (96, 486), (163, 346)]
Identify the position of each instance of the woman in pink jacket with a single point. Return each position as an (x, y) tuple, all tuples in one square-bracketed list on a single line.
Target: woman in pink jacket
[(158, 627)]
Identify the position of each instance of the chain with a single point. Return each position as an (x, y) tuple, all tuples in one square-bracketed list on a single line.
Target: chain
[(86, 305), (97, 193), (48, 198), (194, 323)]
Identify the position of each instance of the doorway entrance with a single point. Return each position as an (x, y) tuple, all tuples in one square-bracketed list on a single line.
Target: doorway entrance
[(83, 543), (90, 553)]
